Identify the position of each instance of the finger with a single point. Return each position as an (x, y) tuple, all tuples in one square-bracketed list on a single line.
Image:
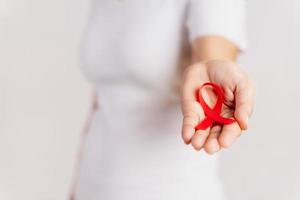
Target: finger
[(244, 104), (229, 134), (190, 120), (189, 103), (191, 117), (199, 139), (212, 144)]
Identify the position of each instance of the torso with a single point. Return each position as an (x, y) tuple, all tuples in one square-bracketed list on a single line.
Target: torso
[(133, 53)]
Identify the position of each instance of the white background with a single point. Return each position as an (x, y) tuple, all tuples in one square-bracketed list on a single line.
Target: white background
[(44, 100)]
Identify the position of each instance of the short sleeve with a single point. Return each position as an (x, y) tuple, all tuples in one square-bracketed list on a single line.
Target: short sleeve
[(225, 18)]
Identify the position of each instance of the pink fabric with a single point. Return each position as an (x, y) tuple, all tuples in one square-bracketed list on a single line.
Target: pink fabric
[(84, 132)]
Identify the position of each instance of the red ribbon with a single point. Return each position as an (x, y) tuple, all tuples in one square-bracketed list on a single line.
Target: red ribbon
[(213, 115)]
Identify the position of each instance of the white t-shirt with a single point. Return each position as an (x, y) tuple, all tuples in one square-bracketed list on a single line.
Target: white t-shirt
[(133, 52)]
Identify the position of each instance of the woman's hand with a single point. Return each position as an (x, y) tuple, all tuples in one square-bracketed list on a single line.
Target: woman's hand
[(238, 93)]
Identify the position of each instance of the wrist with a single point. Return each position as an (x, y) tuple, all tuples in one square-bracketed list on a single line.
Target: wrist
[(214, 62)]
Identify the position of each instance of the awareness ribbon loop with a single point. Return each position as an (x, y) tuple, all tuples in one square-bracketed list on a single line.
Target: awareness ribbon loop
[(212, 115)]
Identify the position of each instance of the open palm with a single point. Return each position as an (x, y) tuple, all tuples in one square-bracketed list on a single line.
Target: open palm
[(238, 104)]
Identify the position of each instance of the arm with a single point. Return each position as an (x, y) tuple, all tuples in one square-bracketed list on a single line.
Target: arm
[(213, 48)]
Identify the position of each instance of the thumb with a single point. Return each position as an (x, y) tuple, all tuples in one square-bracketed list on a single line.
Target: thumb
[(244, 95)]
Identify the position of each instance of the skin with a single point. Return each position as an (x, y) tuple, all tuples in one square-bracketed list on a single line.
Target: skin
[(214, 60)]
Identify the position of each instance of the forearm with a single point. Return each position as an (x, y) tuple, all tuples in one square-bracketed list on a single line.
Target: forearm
[(213, 48)]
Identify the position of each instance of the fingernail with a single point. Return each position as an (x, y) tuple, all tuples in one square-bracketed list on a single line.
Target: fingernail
[(186, 142), (187, 133)]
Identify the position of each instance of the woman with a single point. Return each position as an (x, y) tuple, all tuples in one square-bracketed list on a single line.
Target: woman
[(139, 54)]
